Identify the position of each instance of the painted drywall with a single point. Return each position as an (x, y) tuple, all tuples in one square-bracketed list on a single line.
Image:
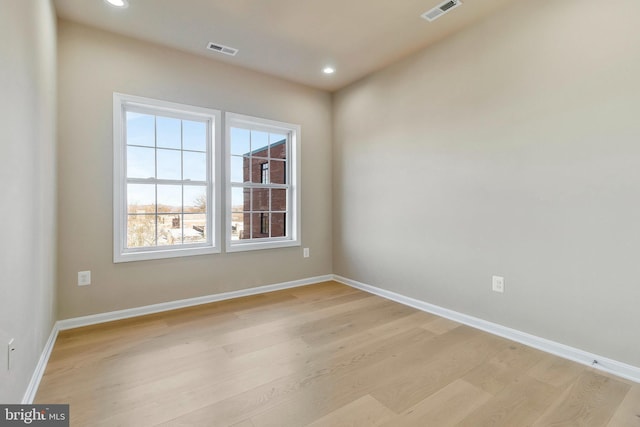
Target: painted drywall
[(95, 64), (27, 195), (509, 149)]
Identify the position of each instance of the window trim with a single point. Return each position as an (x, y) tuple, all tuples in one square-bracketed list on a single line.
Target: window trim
[(120, 252), (293, 221)]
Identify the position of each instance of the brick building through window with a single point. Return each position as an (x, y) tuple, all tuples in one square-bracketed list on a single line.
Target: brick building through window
[(268, 206)]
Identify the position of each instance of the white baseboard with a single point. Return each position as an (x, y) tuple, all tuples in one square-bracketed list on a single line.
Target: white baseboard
[(32, 388), (190, 302), (586, 358), (580, 356), (77, 322)]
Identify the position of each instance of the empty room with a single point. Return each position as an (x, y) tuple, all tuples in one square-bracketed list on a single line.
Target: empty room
[(320, 213)]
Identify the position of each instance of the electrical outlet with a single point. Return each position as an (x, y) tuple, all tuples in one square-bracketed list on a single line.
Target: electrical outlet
[(497, 284), (84, 278), (305, 253), (11, 348)]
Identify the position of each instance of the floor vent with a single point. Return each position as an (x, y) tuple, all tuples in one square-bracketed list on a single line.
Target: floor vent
[(222, 49), (441, 9)]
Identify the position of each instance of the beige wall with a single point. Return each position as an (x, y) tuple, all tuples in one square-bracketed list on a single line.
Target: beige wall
[(93, 65), (27, 193), (509, 149)]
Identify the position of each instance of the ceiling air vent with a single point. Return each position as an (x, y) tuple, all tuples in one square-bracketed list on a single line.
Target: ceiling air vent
[(441, 9), (222, 49)]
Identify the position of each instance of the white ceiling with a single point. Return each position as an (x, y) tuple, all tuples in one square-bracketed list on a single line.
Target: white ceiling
[(292, 39)]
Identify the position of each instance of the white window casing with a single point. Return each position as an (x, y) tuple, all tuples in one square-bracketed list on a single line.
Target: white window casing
[(166, 227), (285, 223)]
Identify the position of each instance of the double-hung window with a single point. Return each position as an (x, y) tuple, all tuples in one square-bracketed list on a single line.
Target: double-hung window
[(165, 195), (263, 202)]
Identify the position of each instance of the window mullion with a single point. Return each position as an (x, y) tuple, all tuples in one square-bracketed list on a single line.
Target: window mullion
[(155, 133), (270, 212), (258, 185), (165, 181), (182, 185), (251, 198)]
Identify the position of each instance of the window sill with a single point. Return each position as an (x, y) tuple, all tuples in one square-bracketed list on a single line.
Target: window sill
[(162, 254), (254, 246)]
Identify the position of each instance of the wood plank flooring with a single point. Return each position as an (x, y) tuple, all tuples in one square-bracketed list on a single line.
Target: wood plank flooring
[(320, 355)]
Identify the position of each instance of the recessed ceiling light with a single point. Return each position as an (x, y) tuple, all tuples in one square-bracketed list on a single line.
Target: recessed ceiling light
[(329, 70), (118, 3)]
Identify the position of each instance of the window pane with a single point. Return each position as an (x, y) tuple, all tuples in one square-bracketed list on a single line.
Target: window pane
[(195, 166), (194, 228), (141, 198), (169, 164), (168, 131), (195, 199), (141, 231), (244, 232), (259, 144), (256, 169), (238, 171), (278, 225), (141, 162), (194, 136), (257, 225), (265, 177), (237, 226), (265, 224), (169, 229), (141, 129), (278, 144), (247, 199), (169, 198), (278, 172), (260, 199), (240, 142), (278, 200), (237, 200)]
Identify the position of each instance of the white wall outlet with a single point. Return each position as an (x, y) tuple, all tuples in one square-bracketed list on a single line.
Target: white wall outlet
[(11, 349), (84, 278), (497, 284), (305, 253)]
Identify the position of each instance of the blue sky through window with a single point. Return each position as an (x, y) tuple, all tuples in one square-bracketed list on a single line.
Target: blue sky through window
[(166, 160)]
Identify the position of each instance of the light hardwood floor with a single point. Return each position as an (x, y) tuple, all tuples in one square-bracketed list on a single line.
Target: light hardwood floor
[(320, 355)]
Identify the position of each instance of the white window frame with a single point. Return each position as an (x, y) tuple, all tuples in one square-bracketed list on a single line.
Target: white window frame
[(293, 223), (122, 102)]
